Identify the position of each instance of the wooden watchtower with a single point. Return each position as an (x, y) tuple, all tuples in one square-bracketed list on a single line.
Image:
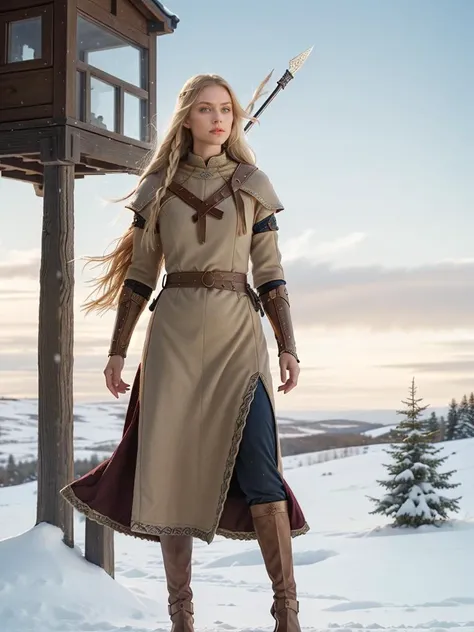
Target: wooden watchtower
[(77, 95)]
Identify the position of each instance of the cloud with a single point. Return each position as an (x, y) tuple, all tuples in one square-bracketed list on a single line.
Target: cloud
[(8, 295), (28, 361), (435, 297), (466, 345), (458, 260), (464, 382), (449, 366), (20, 264), (305, 247), (27, 343), (19, 270)]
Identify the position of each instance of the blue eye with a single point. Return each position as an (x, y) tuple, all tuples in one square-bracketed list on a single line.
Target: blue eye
[(225, 109)]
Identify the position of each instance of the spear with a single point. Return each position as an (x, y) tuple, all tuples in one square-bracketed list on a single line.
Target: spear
[(293, 67)]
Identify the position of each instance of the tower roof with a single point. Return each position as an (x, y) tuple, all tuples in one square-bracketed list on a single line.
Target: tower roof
[(171, 17)]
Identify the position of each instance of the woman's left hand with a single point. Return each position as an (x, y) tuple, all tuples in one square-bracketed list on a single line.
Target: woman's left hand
[(288, 364)]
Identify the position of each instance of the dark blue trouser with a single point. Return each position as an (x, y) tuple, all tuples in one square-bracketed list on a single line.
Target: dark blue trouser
[(256, 466)]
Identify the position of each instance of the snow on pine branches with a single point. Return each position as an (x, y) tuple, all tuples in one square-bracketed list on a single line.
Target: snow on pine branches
[(414, 497)]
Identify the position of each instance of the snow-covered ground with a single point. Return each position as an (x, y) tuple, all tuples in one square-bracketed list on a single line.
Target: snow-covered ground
[(353, 572), (98, 428), (379, 432)]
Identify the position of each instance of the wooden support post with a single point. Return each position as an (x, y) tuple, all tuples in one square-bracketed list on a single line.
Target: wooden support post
[(100, 546), (55, 350)]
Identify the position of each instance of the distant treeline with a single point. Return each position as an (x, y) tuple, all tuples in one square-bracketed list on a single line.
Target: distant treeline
[(458, 425), (18, 472)]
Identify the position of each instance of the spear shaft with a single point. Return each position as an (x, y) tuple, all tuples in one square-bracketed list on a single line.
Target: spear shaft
[(263, 106), (294, 65)]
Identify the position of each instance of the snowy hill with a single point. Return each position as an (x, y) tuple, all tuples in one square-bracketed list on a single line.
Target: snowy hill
[(352, 572), (379, 432), (98, 428)]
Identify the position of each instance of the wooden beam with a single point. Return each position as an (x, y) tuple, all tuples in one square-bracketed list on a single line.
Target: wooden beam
[(87, 171), (94, 144), (77, 142), (124, 142), (10, 5), (100, 546), (65, 16), (21, 175), (55, 350), (22, 116), (21, 165), (31, 123), (24, 141), (152, 98), (103, 167)]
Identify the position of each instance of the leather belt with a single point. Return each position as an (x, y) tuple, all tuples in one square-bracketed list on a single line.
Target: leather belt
[(214, 279), (235, 281)]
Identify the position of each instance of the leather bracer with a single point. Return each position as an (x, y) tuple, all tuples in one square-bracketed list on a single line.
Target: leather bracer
[(277, 308), (130, 307)]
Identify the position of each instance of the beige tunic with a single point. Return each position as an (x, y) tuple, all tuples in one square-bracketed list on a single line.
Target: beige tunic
[(204, 351)]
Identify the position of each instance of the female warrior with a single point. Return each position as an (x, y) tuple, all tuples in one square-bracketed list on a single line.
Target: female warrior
[(200, 453)]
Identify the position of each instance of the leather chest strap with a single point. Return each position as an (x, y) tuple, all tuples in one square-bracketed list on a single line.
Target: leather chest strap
[(203, 207)]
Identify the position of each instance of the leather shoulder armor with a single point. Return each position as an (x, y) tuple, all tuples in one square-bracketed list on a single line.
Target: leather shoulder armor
[(145, 193), (258, 185)]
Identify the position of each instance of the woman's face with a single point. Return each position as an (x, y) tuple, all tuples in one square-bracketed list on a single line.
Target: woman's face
[(211, 116)]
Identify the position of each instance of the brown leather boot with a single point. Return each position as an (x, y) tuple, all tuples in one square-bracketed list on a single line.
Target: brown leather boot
[(177, 559), (272, 525)]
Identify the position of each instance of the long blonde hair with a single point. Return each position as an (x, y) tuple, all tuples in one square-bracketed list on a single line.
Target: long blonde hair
[(175, 145)]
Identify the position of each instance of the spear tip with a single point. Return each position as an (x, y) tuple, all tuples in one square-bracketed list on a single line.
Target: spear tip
[(296, 63)]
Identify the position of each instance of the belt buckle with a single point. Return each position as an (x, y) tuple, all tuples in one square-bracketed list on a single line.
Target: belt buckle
[(203, 281), (163, 281)]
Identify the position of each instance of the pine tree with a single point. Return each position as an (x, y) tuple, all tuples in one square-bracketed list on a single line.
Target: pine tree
[(471, 409), (465, 426), (452, 420), (432, 428), (442, 428), (413, 499), (11, 470)]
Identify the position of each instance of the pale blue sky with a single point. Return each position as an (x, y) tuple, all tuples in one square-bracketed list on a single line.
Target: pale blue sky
[(371, 148)]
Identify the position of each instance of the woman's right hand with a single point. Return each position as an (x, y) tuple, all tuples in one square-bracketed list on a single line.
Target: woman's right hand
[(113, 379)]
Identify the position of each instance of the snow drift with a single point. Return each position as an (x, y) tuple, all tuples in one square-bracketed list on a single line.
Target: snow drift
[(353, 571)]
